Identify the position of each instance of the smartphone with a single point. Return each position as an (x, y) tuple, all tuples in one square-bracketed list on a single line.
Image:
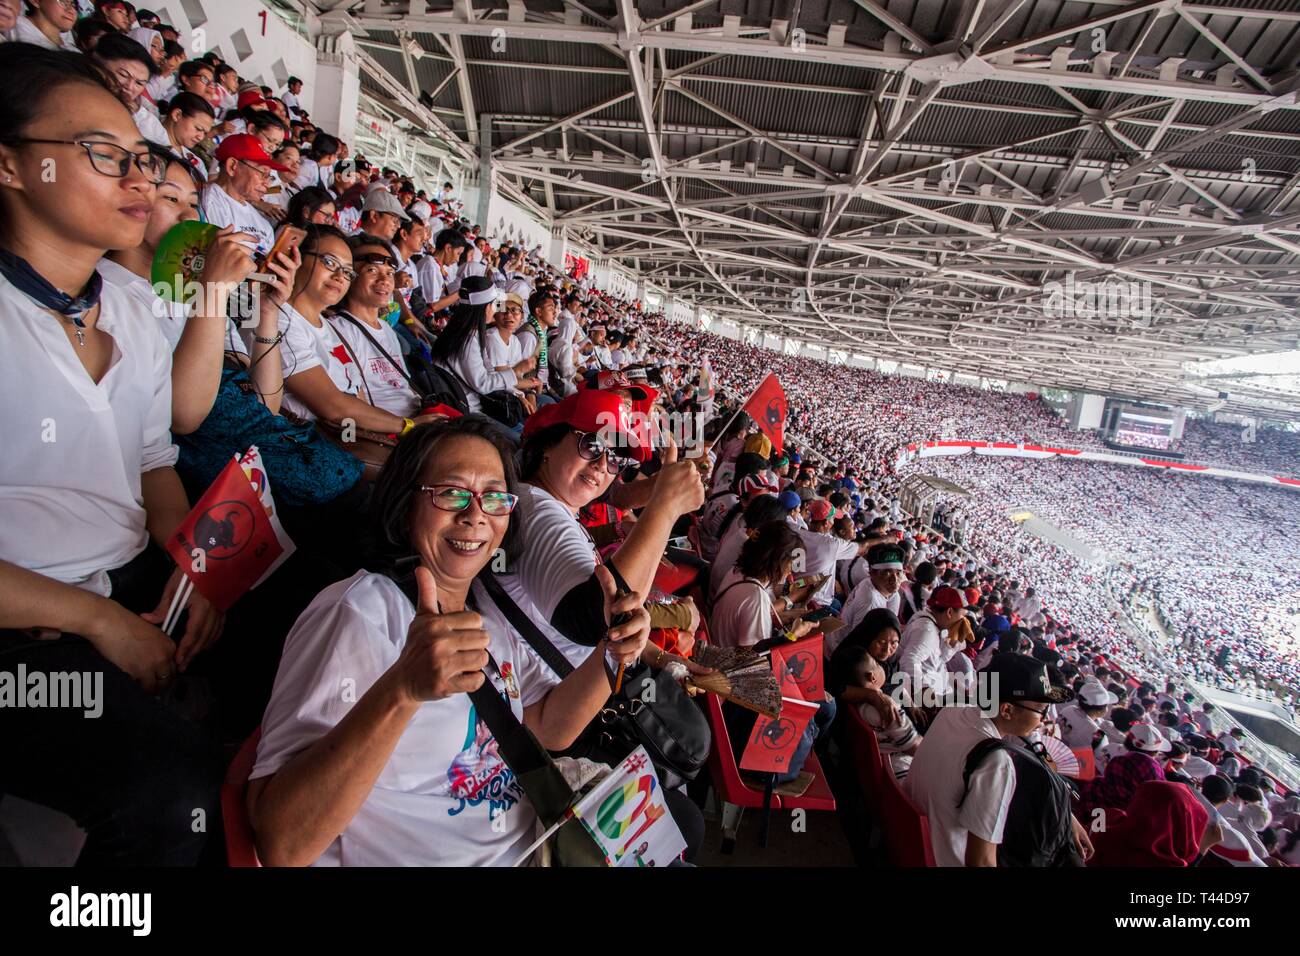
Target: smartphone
[(290, 238), (682, 544)]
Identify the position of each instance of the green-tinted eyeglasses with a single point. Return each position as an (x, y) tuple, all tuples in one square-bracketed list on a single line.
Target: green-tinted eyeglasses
[(455, 498)]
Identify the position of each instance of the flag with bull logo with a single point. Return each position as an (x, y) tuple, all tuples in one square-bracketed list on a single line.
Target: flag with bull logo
[(767, 407), (231, 540), (800, 664), (773, 740)]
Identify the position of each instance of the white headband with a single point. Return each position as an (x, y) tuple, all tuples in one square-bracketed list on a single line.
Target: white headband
[(480, 298)]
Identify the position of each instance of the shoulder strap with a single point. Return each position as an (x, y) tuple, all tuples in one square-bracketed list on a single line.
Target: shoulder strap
[(401, 369), (977, 756), (541, 780), (370, 399), (733, 584), (529, 631)]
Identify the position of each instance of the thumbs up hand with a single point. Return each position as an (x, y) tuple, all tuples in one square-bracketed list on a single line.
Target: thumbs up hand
[(444, 653)]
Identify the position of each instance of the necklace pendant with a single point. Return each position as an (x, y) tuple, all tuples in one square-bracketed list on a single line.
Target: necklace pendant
[(81, 336)]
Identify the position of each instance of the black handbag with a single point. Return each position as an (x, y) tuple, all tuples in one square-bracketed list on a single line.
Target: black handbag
[(504, 406), (651, 709)]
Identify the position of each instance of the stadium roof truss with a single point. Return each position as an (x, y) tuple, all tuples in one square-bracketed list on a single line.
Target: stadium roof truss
[(940, 182)]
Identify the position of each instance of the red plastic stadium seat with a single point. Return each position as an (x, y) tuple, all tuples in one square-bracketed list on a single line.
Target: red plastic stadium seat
[(868, 763), (731, 788), (906, 829), (240, 850)]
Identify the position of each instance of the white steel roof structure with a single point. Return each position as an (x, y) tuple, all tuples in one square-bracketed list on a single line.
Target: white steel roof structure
[(918, 180)]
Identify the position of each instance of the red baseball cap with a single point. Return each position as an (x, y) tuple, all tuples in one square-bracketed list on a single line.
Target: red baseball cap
[(250, 98), (248, 148), (592, 410), (820, 509), (946, 597)]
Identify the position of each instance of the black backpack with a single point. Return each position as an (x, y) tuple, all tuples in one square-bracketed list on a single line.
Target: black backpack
[(1039, 831)]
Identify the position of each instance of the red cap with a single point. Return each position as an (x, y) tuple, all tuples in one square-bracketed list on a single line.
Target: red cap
[(248, 148), (250, 98), (591, 410), (820, 509), (972, 596), (946, 597)]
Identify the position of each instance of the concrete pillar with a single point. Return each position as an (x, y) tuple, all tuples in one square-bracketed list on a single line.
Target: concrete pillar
[(485, 185), (337, 86), (559, 246)]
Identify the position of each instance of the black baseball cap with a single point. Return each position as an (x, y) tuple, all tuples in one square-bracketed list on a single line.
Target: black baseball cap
[(1021, 678)]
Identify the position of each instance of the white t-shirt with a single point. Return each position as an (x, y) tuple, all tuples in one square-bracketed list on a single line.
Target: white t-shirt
[(555, 554), (742, 611), (934, 783), (25, 31), (923, 652), (162, 88), (309, 174), (386, 385), (473, 368), (305, 347), (150, 127), (1077, 728), (715, 511), (431, 279), (733, 539), (501, 353), (435, 801), (222, 209), (169, 315), (291, 102), (821, 551), (865, 599), (74, 450)]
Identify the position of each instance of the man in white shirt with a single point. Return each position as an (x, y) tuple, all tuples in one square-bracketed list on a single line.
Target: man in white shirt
[(967, 820), (244, 171), (879, 589), (1080, 720), (924, 648), (821, 550), (431, 271), (290, 98)]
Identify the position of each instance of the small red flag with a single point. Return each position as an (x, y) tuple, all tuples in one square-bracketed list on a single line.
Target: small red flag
[(801, 663), (227, 541), (774, 739), (767, 407)]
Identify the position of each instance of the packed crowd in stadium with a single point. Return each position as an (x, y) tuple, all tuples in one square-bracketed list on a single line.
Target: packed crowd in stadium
[(473, 509)]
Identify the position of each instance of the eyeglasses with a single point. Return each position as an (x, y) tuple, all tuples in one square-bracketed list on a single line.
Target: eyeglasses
[(514, 310), (262, 172), (1033, 710), (109, 159), (592, 447), (334, 266), (495, 504)]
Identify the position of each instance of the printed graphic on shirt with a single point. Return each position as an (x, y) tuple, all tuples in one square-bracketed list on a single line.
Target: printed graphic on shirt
[(478, 776), (340, 352)]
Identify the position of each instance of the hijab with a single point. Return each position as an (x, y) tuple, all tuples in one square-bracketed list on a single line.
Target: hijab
[(1163, 827), (1114, 790)]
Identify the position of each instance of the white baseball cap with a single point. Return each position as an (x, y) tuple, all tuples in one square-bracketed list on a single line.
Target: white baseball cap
[(1094, 694), (1149, 740)]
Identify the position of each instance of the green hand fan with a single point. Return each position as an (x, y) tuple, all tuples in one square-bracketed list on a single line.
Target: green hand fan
[(179, 258)]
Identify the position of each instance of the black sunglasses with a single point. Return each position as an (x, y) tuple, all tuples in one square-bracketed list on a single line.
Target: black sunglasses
[(591, 447)]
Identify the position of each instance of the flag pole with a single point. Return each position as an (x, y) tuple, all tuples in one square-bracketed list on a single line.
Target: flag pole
[(767, 808), (179, 600)]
